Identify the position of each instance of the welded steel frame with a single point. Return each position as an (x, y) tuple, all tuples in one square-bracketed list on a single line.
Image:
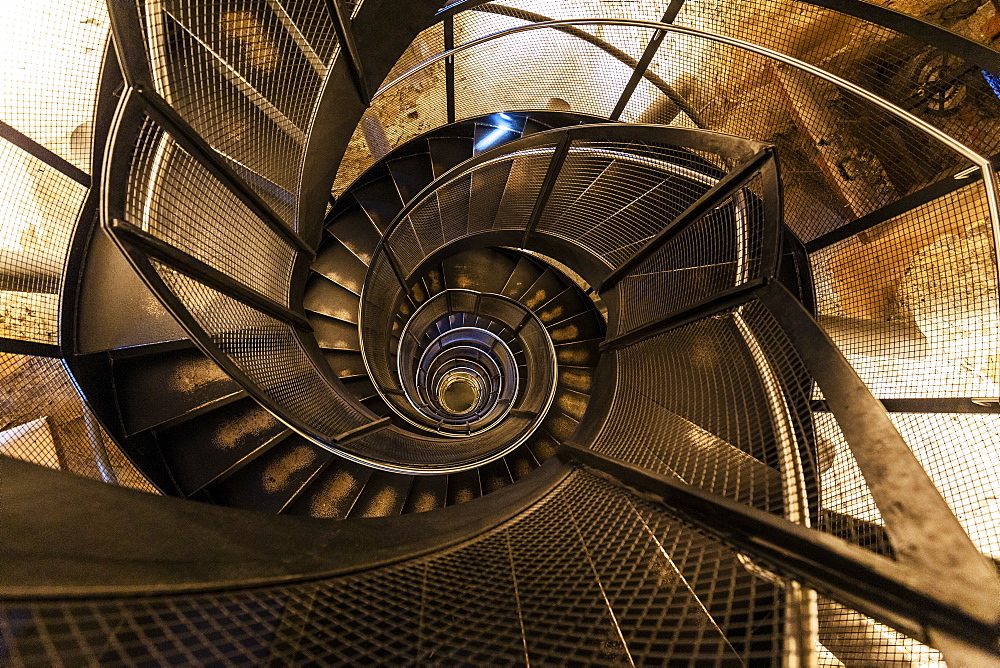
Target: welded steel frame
[(899, 595)]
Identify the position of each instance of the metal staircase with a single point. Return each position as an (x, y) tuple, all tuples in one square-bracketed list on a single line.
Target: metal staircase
[(640, 365)]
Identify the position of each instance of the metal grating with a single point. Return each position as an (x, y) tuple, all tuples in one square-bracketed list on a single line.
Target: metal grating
[(941, 89), (44, 421), (553, 70), (247, 77), (912, 303), (173, 197), (269, 353), (39, 207), (709, 418), (562, 581), (721, 250), (611, 195), (51, 56)]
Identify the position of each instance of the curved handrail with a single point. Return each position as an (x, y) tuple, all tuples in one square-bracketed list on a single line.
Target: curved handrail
[(870, 12), (983, 163)]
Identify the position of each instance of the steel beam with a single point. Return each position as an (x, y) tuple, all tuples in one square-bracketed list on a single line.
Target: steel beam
[(879, 587), (548, 184), (203, 273), (726, 187)]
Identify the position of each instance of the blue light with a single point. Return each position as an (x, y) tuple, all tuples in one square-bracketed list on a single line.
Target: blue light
[(504, 126), (492, 138), (994, 81)]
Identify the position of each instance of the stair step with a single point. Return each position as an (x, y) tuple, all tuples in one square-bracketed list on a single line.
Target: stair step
[(355, 230), (494, 476), (410, 174), (158, 387), (521, 278), (267, 482), (428, 492), (464, 486), (448, 152), (345, 363), (580, 327), (333, 334), (200, 449), (566, 304), (336, 261), (558, 425), (332, 493), (360, 386), (381, 200), (384, 495), (378, 406), (521, 462), (482, 269), (579, 353), (571, 403), (580, 379), (542, 444), (546, 286), (661, 203), (327, 298)]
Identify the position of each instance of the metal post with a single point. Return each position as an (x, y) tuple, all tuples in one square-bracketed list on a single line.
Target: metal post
[(548, 184)]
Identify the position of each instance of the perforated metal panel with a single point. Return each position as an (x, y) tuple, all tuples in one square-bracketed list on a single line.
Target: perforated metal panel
[(43, 420), (39, 206), (51, 55), (268, 352), (176, 199)]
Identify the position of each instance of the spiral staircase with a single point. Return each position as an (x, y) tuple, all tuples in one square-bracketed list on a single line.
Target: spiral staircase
[(502, 333)]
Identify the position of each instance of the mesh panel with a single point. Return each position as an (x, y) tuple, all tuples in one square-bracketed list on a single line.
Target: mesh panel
[(51, 57), (611, 195), (269, 353), (719, 251), (533, 590), (587, 574), (45, 422), (941, 89), (247, 77), (912, 303), (709, 421), (845, 157), (176, 199), (39, 207), (552, 70)]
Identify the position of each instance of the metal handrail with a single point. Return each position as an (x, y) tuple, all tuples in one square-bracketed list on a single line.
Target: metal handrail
[(983, 163)]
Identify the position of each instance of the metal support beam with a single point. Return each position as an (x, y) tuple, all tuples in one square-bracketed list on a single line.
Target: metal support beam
[(398, 272), (647, 57), (19, 347), (876, 586), (922, 528), (31, 147), (725, 188), (362, 431), (449, 67), (931, 405), (720, 302), (189, 139), (348, 48), (130, 43), (548, 184), (203, 273), (896, 208)]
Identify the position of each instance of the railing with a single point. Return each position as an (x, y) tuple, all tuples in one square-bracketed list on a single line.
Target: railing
[(235, 313)]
